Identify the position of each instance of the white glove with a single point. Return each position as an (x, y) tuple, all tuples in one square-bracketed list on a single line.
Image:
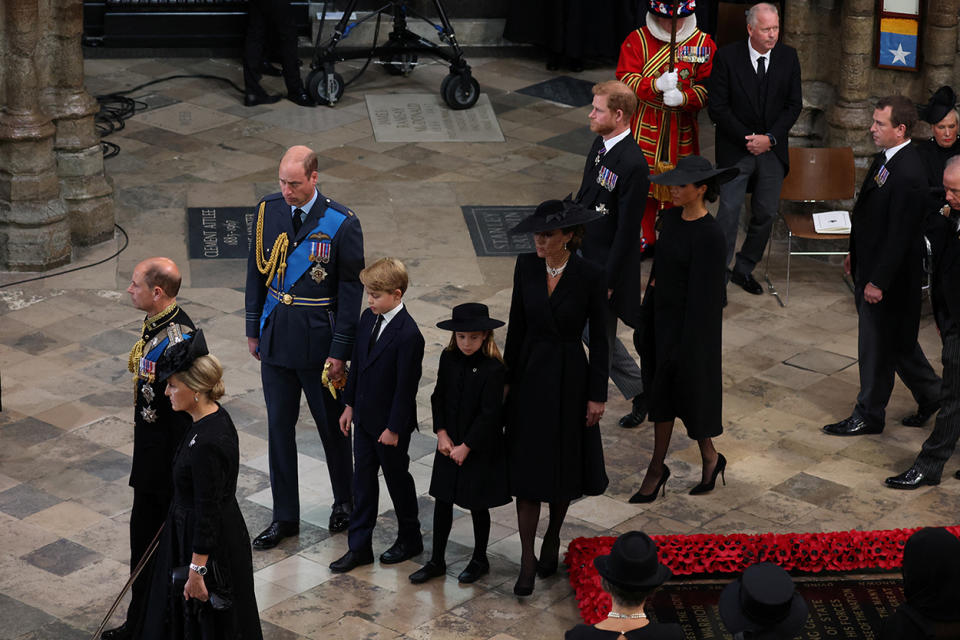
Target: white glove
[(666, 82), (673, 98)]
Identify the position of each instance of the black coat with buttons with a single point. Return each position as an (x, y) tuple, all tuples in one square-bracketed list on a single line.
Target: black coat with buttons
[(468, 403)]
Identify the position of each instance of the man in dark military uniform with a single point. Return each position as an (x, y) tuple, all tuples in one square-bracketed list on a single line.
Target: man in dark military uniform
[(157, 428), (303, 302)]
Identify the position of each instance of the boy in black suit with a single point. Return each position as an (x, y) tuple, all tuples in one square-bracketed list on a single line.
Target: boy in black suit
[(381, 399)]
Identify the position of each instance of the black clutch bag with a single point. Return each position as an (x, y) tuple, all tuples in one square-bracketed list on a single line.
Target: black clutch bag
[(218, 592)]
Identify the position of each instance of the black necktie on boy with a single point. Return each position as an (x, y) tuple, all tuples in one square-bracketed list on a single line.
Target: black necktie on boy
[(375, 333)]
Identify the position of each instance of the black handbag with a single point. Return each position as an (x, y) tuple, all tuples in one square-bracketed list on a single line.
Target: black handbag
[(217, 590)]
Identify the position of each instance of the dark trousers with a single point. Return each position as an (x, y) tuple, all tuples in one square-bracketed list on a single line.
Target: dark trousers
[(939, 445), (920, 378), (277, 16), (148, 514), (281, 391), (369, 458), (623, 368), (767, 173)]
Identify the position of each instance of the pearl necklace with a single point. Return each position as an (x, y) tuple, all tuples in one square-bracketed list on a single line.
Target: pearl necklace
[(627, 616), (556, 272)]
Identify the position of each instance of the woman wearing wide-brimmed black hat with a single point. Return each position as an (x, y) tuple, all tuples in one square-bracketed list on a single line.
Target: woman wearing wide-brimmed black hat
[(631, 573), (680, 347), (556, 395), (941, 112)]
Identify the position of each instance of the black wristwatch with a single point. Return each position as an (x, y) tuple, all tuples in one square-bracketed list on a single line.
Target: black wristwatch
[(773, 141)]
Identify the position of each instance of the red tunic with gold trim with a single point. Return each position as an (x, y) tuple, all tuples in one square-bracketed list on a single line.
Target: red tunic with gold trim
[(643, 58)]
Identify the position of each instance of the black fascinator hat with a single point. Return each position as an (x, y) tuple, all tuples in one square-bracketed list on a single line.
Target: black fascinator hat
[(180, 356), (942, 102), (556, 214)]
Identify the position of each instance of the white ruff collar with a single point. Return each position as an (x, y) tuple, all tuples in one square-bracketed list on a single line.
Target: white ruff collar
[(685, 28)]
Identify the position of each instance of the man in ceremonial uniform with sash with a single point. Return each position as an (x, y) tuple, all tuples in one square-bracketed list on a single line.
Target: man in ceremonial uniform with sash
[(303, 300), (665, 124), (157, 428)]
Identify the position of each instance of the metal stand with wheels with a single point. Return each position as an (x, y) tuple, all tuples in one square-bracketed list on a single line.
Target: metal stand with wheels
[(400, 54)]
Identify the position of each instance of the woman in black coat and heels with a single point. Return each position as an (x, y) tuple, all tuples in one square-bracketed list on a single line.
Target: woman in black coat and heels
[(555, 394)]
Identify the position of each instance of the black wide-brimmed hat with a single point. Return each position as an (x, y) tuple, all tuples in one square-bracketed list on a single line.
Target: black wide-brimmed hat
[(693, 169), (942, 102), (470, 316), (178, 357), (556, 214), (632, 563), (764, 601)]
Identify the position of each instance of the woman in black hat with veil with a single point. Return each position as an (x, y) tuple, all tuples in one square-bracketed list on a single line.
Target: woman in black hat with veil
[(555, 394), (941, 113)]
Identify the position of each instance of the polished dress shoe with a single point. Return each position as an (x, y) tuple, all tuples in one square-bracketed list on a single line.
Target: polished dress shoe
[(747, 282), (474, 570), (643, 498), (912, 478), (351, 560), (339, 518), (302, 98), (123, 632), (254, 99), (851, 427), (400, 552), (272, 535), (549, 557), (718, 470), (637, 415), (430, 570), (920, 418)]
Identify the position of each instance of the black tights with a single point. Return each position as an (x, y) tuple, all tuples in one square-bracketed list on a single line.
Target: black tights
[(528, 514), (443, 522)]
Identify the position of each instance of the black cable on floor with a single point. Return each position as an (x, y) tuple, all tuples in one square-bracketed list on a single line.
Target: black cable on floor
[(126, 242)]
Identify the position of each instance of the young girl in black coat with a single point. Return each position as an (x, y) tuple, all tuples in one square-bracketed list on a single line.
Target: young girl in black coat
[(469, 469)]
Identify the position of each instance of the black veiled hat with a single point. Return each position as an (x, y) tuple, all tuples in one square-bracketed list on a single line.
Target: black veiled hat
[(763, 600), (632, 563), (556, 214), (693, 169), (942, 102), (470, 316), (178, 357)]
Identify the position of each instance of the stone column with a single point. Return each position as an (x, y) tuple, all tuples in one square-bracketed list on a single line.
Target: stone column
[(34, 232), (849, 118), (940, 45)]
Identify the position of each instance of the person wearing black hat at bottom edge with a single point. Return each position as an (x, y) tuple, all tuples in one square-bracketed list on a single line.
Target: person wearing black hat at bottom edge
[(469, 468), (680, 348), (202, 584), (631, 573), (941, 113), (931, 584), (555, 394), (762, 604)]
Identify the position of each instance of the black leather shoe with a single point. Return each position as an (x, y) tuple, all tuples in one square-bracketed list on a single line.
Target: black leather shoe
[(400, 552), (430, 570), (474, 570), (302, 98), (272, 535), (912, 478), (268, 69), (549, 557), (351, 560), (637, 414), (747, 282), (254, 99), (920, 418), (122, 632), (851, 427), (339, 518)]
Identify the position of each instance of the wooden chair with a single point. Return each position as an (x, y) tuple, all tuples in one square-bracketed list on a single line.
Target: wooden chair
[(816, 175)]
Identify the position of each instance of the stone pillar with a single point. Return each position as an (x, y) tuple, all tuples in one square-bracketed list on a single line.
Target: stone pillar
[(34, 232), (807, 24), (940, 45), (83, 187)]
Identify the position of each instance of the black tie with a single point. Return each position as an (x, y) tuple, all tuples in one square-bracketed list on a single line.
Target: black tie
[(761, 68), (375, 333), (878, 161), (297, 220)]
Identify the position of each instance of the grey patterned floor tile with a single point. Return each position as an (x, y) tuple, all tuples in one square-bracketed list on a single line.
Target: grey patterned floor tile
[(20, 619), (24, 500), (62, 557), (27, 432)]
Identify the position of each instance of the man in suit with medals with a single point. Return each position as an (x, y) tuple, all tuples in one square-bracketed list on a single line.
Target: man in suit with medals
[(615, 183), (157, 428), (755, 98), (303, 299), (885, 260)]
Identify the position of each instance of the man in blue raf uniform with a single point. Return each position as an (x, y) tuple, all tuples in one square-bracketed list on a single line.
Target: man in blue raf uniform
[(303, 301)]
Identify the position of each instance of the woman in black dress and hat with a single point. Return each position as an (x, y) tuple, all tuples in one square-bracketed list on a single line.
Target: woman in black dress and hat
[(203, 581), (682, 312), (631, 573), (941, 113), (556, 395), (763, 604)]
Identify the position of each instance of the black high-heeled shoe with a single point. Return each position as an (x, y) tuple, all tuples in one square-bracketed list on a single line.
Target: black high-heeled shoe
[(549, 557), (718, 470), (525, 582), (642, 498)]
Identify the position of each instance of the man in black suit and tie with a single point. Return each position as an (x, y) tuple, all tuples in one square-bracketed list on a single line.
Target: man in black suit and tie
[(615, 183), (302, 301), (885, 259), (755, 97)]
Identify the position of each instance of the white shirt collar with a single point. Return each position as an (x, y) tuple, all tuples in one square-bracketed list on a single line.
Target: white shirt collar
[(609, 144), (893, 150), (390, 315), (755, 55), (306, 208)]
